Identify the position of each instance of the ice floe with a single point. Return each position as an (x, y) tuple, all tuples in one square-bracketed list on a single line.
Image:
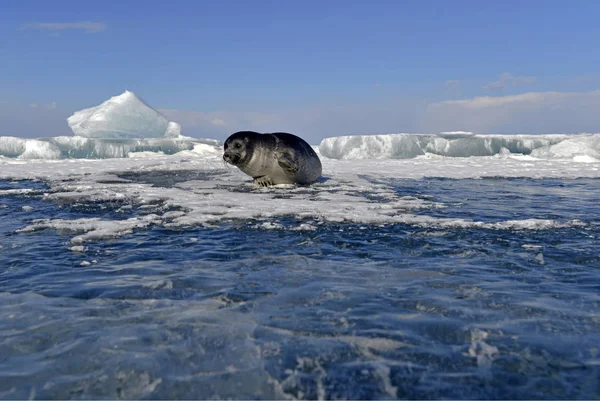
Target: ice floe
[(194, 188)]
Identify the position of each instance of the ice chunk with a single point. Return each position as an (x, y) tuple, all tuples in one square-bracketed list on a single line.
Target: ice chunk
[(576, 147), (77, 147), (93, 228), (125, 117), (451, 144), (91, 148), (173, 130), (11, 146), (36, 149), (28, 148), (392, 146)]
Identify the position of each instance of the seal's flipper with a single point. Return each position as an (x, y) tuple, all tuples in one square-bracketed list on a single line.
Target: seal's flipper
[(264, 181), (288, 164)]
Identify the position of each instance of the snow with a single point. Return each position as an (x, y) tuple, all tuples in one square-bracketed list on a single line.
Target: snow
[(124, 116), (193, 187)]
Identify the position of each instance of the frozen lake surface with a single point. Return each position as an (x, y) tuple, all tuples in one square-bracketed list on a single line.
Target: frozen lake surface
[(172, 276)]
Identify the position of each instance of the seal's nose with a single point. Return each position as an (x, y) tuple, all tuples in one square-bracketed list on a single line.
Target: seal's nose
[(227, 156)]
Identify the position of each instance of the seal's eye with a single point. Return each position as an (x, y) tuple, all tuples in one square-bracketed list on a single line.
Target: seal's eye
[(237, 146)]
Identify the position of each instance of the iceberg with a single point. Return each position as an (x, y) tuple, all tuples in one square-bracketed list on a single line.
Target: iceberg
[(125, 116)]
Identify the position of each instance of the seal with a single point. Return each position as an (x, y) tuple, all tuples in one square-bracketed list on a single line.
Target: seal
[(277, 158)]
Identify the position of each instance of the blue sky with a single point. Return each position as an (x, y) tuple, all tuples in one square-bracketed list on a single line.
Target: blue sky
[(323, 67)]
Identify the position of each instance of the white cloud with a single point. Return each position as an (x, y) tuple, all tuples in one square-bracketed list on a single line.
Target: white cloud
[(87, 26), (506, 78), (533, 112)]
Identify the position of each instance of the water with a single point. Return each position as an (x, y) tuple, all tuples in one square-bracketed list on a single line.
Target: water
[(346, 310)]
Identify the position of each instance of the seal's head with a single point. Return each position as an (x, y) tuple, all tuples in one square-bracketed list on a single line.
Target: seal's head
[(238, 147)]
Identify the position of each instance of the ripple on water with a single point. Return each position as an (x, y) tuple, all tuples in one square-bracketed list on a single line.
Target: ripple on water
[(340, 311)]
